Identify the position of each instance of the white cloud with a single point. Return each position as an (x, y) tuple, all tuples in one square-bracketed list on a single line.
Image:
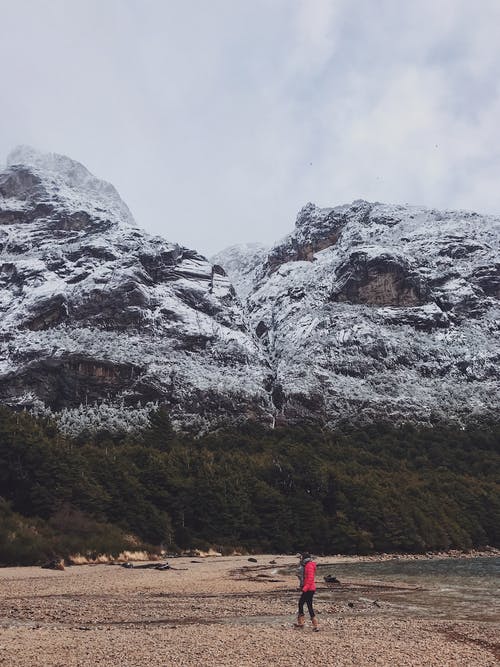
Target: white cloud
[(315, 30)]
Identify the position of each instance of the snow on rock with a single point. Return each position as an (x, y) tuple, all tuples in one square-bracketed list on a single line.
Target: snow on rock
[(93, 309), (370, 311), (364, 312), (59, 181), (240, 262)]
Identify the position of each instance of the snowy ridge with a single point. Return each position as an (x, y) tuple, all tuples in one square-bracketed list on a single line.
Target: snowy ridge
[(370, 311), (363, 312), (70, 183), (93, 308)]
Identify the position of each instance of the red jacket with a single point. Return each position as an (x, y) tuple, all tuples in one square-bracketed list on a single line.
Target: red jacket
[(309, 571)]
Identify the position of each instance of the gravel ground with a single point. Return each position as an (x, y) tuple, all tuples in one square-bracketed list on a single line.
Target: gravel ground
[(220, 611)]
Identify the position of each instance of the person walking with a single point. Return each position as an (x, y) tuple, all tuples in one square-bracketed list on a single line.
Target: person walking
[(307, 570)]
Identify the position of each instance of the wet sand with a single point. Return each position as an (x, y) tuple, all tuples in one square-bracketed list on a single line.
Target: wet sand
[(220, 611)]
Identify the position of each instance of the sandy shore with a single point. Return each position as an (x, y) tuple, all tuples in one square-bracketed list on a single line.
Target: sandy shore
[(218, 611)]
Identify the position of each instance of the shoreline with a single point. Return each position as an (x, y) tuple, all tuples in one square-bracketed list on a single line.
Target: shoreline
[(223, 610), (490, 552), (143, 557)]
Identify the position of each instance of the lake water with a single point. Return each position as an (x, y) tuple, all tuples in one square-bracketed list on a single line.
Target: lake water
[(452, 588)]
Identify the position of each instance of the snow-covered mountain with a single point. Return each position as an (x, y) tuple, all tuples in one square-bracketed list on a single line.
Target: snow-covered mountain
[(363, 312), (368, 311), (241, 263), (100, 321)]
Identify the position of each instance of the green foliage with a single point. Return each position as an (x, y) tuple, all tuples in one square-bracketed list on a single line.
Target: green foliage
[(22, 541), (381, 488), (27, 541)]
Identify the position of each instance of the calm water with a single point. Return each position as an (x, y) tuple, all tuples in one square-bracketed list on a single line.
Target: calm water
[(455, 588)]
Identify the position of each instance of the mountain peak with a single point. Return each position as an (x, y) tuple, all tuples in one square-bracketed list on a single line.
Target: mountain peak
[(100, 322), (240, 262), (70, 182), (27, 156)]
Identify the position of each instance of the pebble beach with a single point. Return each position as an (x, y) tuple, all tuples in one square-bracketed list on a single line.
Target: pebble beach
[(226, 611)]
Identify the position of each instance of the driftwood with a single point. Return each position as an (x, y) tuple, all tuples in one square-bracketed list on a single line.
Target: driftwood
[(55, 564)]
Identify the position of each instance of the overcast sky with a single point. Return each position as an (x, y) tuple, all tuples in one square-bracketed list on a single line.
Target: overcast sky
[(217, 120)]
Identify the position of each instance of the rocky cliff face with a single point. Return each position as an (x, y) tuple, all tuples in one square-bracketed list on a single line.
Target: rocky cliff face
[(364, 312), (98, 318), (370, 311)]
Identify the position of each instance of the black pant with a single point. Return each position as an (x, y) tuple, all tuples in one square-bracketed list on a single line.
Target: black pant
[(307, 598)]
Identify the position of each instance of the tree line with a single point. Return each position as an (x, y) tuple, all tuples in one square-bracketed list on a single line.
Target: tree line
[(378, 488)]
